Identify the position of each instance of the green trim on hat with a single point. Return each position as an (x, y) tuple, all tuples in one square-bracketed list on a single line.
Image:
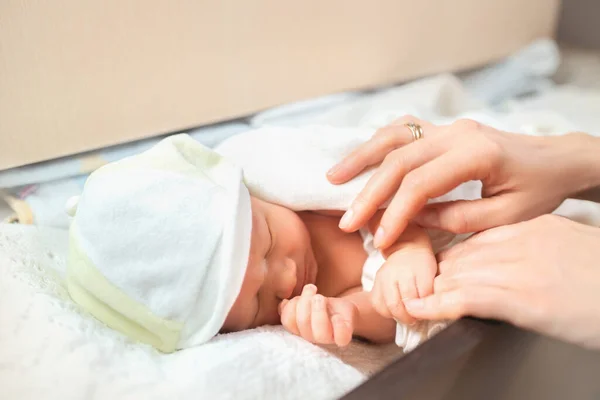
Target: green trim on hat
[(90, 289)]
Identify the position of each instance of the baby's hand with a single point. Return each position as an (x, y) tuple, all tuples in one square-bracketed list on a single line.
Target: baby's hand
[(407, 274), (319, 319)]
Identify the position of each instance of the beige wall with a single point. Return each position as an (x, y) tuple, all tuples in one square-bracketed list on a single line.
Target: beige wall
[(77, 75)]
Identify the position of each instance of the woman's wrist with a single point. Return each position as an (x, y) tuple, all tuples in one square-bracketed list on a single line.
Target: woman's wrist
[(581, 163)]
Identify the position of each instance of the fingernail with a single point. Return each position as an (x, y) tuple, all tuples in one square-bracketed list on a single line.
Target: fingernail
[(378, 238), (428, 218), (333, 170), (414, 304), (346, 219)]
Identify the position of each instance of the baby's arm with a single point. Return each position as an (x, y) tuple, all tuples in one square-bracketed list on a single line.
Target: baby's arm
[(328, 320), (368, 323)]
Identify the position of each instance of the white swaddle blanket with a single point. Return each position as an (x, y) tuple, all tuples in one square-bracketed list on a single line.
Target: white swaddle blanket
[(289, 168)]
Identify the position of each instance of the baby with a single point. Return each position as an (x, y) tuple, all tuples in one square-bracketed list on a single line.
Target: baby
[(305, 273), (170, 248)]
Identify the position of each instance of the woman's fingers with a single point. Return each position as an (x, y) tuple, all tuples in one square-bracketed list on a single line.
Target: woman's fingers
[(476, 301), (469, 255), (429, 181), (372, 152), (500, 274), (386, 181), (378, 300), (475, 242), (464, 216)]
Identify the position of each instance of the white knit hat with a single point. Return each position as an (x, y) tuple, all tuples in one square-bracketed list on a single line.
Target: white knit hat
[(159, 243)]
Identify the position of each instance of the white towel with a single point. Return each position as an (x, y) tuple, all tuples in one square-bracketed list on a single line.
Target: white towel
[(288, 166), (52, 349)]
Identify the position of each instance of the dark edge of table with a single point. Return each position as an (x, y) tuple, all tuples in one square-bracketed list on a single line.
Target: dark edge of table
[(480, 359), (405, 375)]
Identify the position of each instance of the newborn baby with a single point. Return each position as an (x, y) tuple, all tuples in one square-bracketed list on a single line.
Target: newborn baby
[(305, 273), (170, 248)]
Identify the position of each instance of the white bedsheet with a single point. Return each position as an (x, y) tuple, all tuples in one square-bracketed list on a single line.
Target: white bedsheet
[(49, 349)]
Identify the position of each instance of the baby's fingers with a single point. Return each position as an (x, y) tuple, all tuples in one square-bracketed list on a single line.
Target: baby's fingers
[(288, 315), (322, 330), (378, 299), (342, 330), (395, 292), (303, 312), (424, 267), (393, 284)]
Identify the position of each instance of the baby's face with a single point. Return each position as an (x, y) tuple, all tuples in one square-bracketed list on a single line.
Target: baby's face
[(281, 262)]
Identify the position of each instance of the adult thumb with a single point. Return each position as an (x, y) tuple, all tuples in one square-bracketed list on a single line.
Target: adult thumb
[(465, 216)]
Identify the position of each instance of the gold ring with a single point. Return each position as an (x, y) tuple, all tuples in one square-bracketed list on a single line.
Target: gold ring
[(417, 131)]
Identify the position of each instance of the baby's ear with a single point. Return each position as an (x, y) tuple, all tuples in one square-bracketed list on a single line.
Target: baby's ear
[(71, 206)]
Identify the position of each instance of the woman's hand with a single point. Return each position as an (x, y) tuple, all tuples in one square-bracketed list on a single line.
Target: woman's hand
[(543, 275), (523, 176)]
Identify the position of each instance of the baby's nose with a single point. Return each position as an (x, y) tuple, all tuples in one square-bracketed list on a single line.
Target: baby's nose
[(286, 279)]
